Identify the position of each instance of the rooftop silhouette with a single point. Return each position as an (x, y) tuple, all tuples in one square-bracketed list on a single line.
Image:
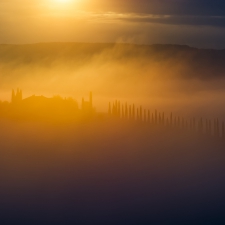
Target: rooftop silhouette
[(41, 107), (67, 109)]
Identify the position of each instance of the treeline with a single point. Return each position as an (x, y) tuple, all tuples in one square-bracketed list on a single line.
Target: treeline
[(211, 127)]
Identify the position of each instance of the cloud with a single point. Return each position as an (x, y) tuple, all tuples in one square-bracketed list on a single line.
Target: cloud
[(216, 21), (171, 7), (158, 7), (194, 23)]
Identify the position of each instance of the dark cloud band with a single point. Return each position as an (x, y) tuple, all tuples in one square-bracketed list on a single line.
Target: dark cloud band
[(169, 7), (215, 21)]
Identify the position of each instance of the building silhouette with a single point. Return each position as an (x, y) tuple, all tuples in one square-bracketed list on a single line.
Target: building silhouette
[(17, 96), (41, 107), (58, 109), (87, 106)]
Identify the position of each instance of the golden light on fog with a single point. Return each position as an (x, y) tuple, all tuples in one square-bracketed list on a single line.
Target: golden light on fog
[(66, 4), (63, 1)]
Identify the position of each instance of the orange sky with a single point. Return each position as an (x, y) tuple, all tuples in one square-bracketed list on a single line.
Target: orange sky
[(140, 22)]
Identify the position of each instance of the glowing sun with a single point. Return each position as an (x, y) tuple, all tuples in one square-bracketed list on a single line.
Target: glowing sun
[(62, 5), (63, 1)]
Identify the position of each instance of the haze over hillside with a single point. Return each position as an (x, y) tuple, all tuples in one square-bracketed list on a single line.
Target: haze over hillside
[(112, 112), (165, 76), (202, 62)]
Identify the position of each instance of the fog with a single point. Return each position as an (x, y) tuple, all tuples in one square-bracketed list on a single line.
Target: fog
[(109, 172), (107, 166), (166, 77)]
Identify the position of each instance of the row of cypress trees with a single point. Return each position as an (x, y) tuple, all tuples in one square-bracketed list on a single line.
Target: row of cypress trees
[(131, 112)]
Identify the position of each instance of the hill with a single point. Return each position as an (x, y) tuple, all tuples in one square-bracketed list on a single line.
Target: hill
[(203, 63)]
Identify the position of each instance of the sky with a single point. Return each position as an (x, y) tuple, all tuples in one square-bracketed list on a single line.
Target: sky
[(197, 23)]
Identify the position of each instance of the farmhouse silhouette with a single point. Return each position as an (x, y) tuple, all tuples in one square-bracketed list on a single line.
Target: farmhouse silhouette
[(68, 109)]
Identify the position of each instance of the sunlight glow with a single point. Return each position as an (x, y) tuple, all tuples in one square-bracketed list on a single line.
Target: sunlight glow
[(65, 6), (63, 1), (66, 3)]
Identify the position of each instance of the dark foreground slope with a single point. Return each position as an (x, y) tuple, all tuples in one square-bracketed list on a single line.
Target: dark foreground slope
[(109, 173)]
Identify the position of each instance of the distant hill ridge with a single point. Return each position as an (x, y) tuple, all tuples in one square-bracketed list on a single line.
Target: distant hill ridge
[(10, 51), (207, 62)]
